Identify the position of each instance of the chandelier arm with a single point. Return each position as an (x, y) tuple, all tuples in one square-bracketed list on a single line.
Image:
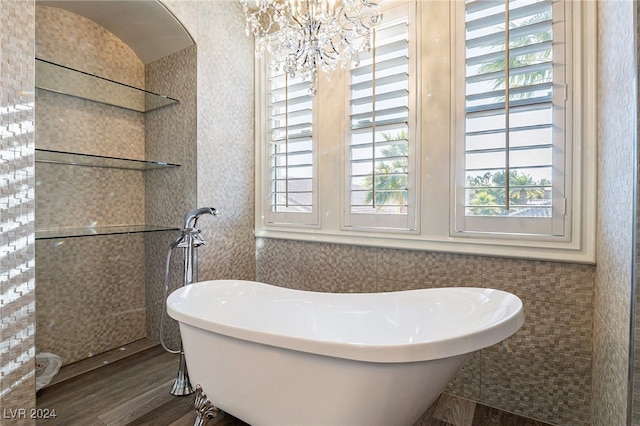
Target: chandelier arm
[(297, 21), (355, 22), (330, 53)]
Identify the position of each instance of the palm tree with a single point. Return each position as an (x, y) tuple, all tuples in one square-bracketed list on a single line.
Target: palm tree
[(487, 200), (489, 190), (523, 79), (521, 187), (390, 176)]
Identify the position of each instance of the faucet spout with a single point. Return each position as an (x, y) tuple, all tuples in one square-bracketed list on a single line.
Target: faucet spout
[(191, 218)]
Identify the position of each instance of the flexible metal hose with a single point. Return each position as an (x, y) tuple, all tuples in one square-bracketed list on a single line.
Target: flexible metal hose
[(166, 294)]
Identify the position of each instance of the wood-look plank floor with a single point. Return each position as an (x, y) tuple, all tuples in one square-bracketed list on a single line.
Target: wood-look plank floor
[(131, 391), (135, 391)]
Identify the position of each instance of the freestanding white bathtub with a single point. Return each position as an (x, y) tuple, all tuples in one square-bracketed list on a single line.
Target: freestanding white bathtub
[(276, 356)]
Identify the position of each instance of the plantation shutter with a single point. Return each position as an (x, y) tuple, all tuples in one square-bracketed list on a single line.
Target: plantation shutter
[(381, 133), (513, 151), (291, 192)]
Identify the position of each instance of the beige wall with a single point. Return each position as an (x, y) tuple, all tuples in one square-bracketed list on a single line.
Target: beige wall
[(225, 153)]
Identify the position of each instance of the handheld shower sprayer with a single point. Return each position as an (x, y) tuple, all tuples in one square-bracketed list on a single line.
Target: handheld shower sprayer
[(190, 240)]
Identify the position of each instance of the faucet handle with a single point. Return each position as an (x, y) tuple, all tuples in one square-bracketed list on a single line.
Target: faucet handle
[(190, 237), (196, 238)]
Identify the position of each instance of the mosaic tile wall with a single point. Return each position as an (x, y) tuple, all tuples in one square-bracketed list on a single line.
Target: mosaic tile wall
[(90, 293), (225, 140), (85, 45), (62, 112), (17, 275), (75, 124), (171, 136), (635, 411), (635, 373), (223, 151), (617, 102), (225, 157)]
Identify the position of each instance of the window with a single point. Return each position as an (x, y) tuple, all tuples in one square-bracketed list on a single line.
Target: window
[(381, 133), (513, 141), (469, 127), (291, 195)]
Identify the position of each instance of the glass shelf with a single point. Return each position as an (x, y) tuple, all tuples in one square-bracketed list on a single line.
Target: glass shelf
[(90, 231), (89, 160), (68, 81)]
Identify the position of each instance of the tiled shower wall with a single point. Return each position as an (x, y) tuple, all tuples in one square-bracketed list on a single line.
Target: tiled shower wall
[(17, 284), (223, 126), (169, 194), (225, 140), (90, 292), (225, 120), (635, 411), (617, 103), (635, 356)]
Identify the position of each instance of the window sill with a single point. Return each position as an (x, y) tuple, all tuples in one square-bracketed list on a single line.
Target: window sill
[(534, 250)]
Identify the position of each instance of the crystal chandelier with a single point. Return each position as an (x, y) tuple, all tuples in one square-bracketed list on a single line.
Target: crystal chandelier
[(302, 35)]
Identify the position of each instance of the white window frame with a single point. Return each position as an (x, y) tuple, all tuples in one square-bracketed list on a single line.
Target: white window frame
[(572, 230), (436, 159), (273, 218), (397, 223), (558, 227)]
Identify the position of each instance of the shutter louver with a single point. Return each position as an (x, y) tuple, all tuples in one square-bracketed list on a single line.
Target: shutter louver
[(290, 139), (509, 109), (378, 149)]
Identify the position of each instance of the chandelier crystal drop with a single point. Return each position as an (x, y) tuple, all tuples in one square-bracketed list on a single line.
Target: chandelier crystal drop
[(302, 35)]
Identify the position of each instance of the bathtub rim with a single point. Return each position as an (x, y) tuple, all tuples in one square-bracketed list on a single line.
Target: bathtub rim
[(384, 353)]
